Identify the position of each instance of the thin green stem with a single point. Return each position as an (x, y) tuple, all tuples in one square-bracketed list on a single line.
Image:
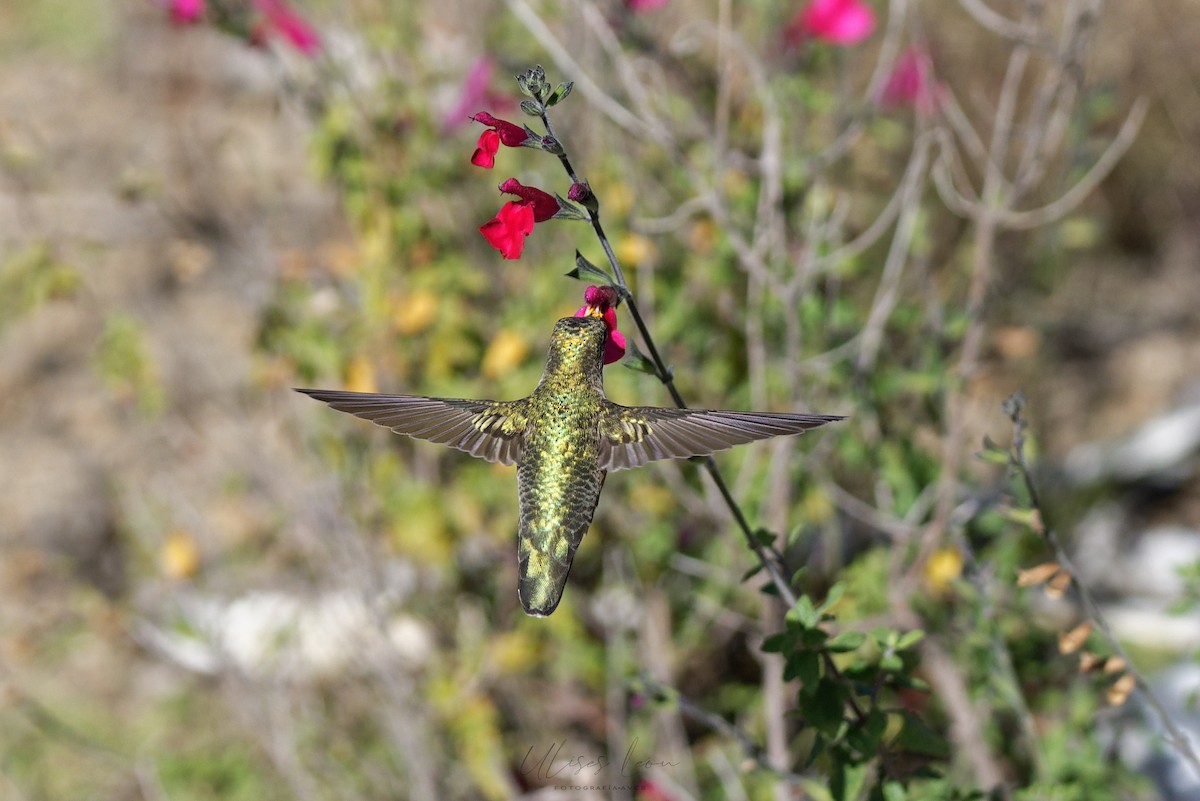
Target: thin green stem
[(665, 375), (1173, 734)]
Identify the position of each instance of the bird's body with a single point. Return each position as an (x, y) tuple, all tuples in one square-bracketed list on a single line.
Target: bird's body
[(564, 438)]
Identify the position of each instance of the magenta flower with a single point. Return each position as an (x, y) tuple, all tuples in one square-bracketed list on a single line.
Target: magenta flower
[(281, 19), (500, 132), (185, 12), (475, 92), (838, 22), (506, 231), (911, 83), (638, 6), (601, 301)]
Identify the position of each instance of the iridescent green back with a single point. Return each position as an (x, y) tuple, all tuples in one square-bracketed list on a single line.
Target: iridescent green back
[(558, 476)]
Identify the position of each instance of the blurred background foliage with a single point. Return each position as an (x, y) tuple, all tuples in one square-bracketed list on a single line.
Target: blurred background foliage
[(216, 589)]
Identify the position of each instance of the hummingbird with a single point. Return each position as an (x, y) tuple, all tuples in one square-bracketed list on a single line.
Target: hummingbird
[(564, 438)]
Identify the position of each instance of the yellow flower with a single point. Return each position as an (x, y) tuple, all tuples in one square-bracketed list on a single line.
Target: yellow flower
[(360, 375), (943, 567), (179, 558), (506, 350), (635, 249), (413, 313)]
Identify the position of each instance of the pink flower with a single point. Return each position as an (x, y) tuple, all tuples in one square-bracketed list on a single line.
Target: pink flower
[(838, 22), (185, 12), (601, 302), (506, 231), (650, 790), (911, 83), (500, 132), (474, 93), (279, 18), (638, 6)]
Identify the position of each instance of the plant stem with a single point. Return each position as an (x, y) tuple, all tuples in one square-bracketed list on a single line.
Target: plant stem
[(665, 376)]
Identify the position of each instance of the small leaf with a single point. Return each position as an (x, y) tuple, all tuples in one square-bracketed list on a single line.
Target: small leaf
[(909, 639), (1037, 575), (824, 708), (1071, 641), (560, 93), (833, 596), (531, 108), (636, 360), (586, 271), (918, 737), (568, 210), (894, 791), (765, 537), (803, 615), (805, 666), (774, 643), (846, 641), (816, 791), (993, 453)]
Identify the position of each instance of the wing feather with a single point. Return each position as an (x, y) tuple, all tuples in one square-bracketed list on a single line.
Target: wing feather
[(492, 430), (630, 436)]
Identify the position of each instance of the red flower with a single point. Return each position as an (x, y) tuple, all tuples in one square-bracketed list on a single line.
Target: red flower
[(475, 92), (601, 302), (911, 83), (839, 22), (506, 231), (638, 6), (499, 132), (281, 19), (650, 790)]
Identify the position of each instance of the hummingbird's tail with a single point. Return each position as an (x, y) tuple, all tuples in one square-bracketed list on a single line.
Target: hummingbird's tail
[(543, 577), (552, 525)]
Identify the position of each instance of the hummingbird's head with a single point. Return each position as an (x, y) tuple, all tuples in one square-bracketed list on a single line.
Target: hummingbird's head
[(601, 303)]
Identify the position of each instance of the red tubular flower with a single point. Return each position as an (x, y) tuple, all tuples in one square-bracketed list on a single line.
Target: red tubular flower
[(506, 231), (601, 302), (911, 83), (839, 22), (280, 18), (500, 132)]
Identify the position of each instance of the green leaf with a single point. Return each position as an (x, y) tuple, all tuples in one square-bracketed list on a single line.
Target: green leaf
[(568, 210), (805, 666), (909, 639), (825, 707), (816, 790), (803, 615), (764, 537), (846, 641), (865, 738), (916, 736), (834, 595), (846, 779), (532, 108), (560, 93), (636, 360), (894, 791), (774, 643), (586, 271)]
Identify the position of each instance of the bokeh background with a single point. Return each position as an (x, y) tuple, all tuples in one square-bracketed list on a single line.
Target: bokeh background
[(214, 588)]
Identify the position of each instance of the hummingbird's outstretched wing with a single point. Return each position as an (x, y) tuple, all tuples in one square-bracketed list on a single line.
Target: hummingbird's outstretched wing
[(491, 430), (630, 436)]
